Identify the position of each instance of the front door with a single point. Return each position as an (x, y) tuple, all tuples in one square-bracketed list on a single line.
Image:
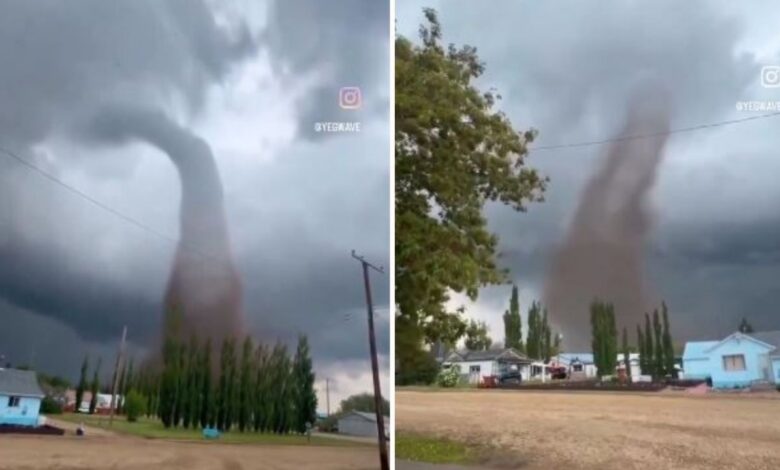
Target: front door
[(764, 367)]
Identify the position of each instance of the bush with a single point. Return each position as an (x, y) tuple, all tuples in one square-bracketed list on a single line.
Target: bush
[(135, 406), (50, 406), (448, 377)]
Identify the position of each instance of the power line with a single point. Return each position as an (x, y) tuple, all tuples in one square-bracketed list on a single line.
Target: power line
[(87, 197), (655, 134), (346, 318), (105, 207)]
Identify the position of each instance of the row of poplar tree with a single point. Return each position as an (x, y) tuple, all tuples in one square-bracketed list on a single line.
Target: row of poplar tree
[(654, 342), (250, 388), (541, 343)]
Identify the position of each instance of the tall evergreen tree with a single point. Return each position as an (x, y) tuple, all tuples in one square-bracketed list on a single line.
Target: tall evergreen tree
[(640, 340), (94, 388), (82, 386), (658, 346), (305, 399), (261, 394), (626, 355), (223, 390), (513, 323), (649, 349), (667, 343), (610, 361), (207, 394), (281, 385), (547, 343), (245, 402), (533, 340), (603, 337)]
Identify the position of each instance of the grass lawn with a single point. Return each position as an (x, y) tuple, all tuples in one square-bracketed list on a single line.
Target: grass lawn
[(153, 429), (421, 448)]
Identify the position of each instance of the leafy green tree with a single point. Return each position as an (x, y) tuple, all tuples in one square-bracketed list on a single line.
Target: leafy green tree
[(414, 365), (477, 338), (453, 153), (658, 348), (649, 348), (94, 388), (134, 405), (667, 343), (745, 327), (513, 324), (82, 386), (363, 402), (305, 398)]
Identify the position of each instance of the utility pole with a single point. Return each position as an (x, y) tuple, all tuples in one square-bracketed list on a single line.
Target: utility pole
[(327, 394), (119, 355), (380, 420)]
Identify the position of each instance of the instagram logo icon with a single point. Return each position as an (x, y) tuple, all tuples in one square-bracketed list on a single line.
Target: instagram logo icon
[(770, 76), (350, 97)]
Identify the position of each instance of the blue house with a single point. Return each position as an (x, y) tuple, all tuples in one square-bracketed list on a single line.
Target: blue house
[(20, 397), (739, 360)]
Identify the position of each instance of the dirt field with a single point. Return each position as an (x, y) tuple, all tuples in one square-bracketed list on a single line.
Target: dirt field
[(583, 430), (104, 450)]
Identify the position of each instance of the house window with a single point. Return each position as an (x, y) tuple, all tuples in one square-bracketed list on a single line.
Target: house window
[(577, 367), (474, 369), (13, 402), (734, 362)]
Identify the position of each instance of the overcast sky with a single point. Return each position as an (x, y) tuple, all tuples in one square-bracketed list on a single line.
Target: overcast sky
[(249, 77), (567, 70)]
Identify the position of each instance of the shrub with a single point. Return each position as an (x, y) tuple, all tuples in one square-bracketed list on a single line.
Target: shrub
[(50, 406), (135, 406), (448, 377)]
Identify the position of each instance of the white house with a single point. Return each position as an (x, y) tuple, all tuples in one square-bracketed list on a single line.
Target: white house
[(358, 423), (475, 365)]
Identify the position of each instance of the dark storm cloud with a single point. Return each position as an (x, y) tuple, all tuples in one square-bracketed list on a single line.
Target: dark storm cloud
[(710, 253), (345, 43), (60, 58), (81, 273)]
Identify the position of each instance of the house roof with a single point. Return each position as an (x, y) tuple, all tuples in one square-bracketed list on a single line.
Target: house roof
[(488, 355), (768, 337), (586, 358), (20, 382), (696, 349), (740, 336), (367, 416)]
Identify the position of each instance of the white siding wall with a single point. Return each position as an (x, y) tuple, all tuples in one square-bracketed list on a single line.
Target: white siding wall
[(354, 425), (486, 368)]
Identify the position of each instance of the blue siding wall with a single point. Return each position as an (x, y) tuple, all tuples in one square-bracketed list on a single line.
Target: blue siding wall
[(752, 352), (776, 370), (26, 414)]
